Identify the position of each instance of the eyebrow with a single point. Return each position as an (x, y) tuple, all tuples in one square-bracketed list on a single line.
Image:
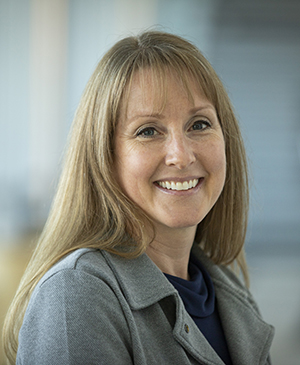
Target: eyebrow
[(205, 106), (151, 115), (161, 116)]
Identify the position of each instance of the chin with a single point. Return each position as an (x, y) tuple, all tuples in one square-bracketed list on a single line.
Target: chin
[(182, 224)]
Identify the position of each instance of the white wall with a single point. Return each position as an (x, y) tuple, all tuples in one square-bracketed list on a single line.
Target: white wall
[(14, 111)]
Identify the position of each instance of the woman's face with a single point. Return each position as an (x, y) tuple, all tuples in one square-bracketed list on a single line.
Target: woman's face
[(170, 161)]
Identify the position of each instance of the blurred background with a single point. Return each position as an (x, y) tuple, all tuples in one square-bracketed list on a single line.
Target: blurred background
[(48, 50)]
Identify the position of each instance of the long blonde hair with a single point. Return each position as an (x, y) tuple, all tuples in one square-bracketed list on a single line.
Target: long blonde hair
[(90, 210)]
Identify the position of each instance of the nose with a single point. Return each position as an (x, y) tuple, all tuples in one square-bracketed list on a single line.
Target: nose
[(179, 152)]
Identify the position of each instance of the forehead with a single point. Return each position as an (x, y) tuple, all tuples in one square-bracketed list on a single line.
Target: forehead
[(151, 89)]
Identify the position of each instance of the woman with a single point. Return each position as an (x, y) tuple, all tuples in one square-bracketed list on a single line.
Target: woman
[(150, 209)]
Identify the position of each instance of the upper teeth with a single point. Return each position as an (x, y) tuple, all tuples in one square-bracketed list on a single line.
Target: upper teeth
[(171, 185)]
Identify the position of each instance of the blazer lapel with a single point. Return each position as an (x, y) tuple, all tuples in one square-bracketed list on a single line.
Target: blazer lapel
[(248, 337)]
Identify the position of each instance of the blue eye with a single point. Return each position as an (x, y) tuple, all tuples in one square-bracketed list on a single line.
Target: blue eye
[(200, 125), (147, 132)]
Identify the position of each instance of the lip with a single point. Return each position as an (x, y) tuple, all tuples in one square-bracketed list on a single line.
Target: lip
[(179, 179), (180, 192)]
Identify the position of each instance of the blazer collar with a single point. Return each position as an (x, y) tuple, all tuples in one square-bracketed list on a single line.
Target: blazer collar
[(141, 280), (248, 337)]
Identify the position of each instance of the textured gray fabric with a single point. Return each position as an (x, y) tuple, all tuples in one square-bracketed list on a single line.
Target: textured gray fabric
[(97, 308)]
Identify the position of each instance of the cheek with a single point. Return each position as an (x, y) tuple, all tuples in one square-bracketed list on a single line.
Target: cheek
[(219, 160), (215, 157), (132, 169), (220, 166)]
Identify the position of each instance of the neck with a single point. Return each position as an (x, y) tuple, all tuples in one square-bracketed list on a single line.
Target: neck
[(171, 254)]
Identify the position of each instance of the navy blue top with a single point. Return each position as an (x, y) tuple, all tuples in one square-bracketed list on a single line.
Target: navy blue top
[(198, 296)]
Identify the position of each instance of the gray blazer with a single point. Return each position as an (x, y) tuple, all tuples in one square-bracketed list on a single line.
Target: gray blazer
[(97, 308)]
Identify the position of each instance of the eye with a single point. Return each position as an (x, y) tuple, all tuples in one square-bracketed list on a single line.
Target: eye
[(200, 125), (147, 132)]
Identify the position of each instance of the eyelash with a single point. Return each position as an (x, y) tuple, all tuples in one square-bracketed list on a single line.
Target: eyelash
[(203, 122), (141, 132), (144, 130)]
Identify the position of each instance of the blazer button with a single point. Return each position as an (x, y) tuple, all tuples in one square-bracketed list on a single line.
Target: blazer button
[(186, 328)]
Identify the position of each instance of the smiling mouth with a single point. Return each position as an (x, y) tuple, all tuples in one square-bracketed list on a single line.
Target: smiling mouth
[(178, 186)]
